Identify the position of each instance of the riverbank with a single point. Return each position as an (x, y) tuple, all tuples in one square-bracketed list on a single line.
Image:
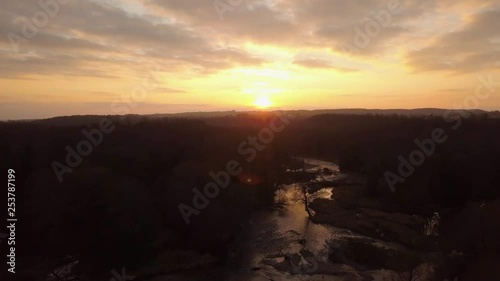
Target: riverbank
[(361, 238), (346, 235)]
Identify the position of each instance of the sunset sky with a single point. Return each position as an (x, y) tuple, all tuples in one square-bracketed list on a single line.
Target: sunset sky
[(87, 57)]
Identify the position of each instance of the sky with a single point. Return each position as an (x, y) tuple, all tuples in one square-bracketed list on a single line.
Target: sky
[(72, 57)]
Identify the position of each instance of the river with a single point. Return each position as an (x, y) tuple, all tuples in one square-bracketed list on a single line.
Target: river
[(284, 244), (287, 239)]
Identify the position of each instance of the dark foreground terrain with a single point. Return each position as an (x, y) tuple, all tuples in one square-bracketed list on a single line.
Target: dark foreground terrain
[(401, 197)]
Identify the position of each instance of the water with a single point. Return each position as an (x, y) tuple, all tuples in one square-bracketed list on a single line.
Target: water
[(271, 237)]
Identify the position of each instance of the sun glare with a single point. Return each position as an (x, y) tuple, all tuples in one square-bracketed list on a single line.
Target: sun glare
[(262, 102)]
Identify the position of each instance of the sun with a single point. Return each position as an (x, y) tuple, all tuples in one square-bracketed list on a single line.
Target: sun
[(263, 102)]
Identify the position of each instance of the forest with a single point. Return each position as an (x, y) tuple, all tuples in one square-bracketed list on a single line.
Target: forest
[(119, 208)]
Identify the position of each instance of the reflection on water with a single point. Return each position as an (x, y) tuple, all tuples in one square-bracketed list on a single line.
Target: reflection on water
[(273, 235), (324, 193), (287, 240), (432, 224), (316, 165)]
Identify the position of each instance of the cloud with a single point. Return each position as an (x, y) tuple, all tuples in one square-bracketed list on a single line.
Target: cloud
[(164, 90), (474, 47), (319, 63), (103, 39), (106, 38)]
